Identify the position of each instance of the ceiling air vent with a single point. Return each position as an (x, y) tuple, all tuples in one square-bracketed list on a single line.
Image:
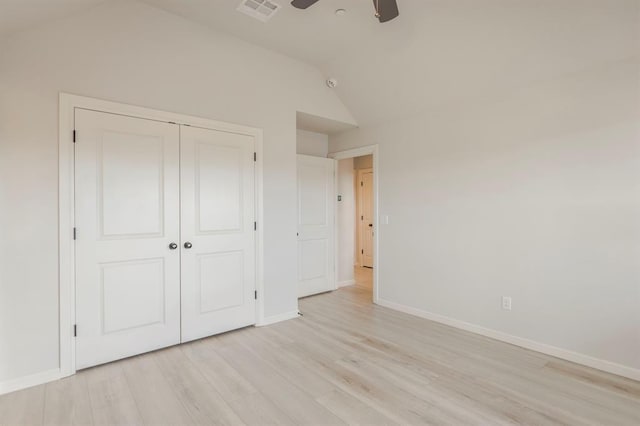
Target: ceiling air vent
[(259, 9)]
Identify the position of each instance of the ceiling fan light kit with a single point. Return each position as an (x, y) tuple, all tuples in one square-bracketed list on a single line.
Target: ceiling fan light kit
[(385, 10)]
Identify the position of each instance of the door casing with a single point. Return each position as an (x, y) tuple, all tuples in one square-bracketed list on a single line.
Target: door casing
[(66, 202), (359, 152)]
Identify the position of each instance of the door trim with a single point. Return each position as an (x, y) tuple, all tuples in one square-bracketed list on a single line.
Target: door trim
[(359, 152), (66, 202)]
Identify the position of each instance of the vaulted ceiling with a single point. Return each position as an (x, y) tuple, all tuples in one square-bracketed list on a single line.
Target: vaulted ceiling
[(436, 53), (17, 15)]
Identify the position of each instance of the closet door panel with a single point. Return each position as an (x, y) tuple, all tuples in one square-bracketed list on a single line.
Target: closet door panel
[(126, 215), (218, 236)]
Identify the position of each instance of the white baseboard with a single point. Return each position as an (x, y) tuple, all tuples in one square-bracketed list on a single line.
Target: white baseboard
[(600, 364), (578, 358), (346, 283), (55, 374), (277, 318), (30, 380)]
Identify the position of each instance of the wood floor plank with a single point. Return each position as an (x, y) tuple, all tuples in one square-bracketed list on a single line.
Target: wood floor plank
[(201, 400), (346, 361), (111, 399), (256, 409), (25, 407), (67, 402), (352, 410), (153, 395), (218, 372), (289, 397), (296, 372)]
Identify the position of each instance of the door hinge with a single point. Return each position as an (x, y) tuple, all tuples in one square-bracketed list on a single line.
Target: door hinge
[(362, 251), (361, 183), (255, 156), (255, 226), (74, 233), (255, 294), (74, 136), (361, 217), (75, 330)]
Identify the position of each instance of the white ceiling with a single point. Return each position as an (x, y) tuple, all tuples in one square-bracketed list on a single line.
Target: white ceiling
[(17, 15), (315, 35), (437, 52)]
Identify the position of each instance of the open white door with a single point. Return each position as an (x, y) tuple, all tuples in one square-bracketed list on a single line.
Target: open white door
[(218, 231), (316, 218), (365, 198), (127, 217)]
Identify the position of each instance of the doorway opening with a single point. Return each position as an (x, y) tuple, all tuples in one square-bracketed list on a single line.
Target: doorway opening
[(356, 221), (316, 206)]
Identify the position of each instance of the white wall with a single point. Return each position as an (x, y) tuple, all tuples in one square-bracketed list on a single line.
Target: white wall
[(132, 53), (312, 143), (346, 221), (533, 194)]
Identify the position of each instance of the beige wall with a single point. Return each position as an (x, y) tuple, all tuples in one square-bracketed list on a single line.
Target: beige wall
[(312, 143), (132, 53)]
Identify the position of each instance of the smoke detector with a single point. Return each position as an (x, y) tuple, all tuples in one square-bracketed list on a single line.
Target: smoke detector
[(262, 10), (332, 83)]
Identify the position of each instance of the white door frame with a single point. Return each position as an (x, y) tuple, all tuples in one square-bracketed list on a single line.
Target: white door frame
[(66, 203), (359, 152)]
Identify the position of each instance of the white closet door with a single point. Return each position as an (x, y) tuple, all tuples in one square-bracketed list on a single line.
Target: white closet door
[(316, 216), (218, 236), (127, 215)]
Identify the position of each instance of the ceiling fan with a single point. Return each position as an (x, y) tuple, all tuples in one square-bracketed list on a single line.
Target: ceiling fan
[(386, 10)]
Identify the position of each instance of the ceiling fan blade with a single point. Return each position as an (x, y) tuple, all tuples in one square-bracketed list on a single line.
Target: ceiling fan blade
[(387, 9), (303, 4)]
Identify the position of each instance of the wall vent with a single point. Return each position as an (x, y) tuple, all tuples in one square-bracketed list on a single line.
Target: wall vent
[(262, 10)]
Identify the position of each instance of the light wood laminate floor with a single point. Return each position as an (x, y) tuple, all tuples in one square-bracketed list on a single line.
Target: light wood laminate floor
[(345, 361)]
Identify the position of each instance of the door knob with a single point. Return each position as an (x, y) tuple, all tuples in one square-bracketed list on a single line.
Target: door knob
[(371, 225), (173, 246), (188, 245)]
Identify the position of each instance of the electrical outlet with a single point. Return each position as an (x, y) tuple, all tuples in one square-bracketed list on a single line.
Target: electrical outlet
[(506, 303)]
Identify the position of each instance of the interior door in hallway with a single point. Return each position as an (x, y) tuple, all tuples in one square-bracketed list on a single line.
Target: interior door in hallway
[(316, 218), (365, 199), (127, 222), (218, 231)]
